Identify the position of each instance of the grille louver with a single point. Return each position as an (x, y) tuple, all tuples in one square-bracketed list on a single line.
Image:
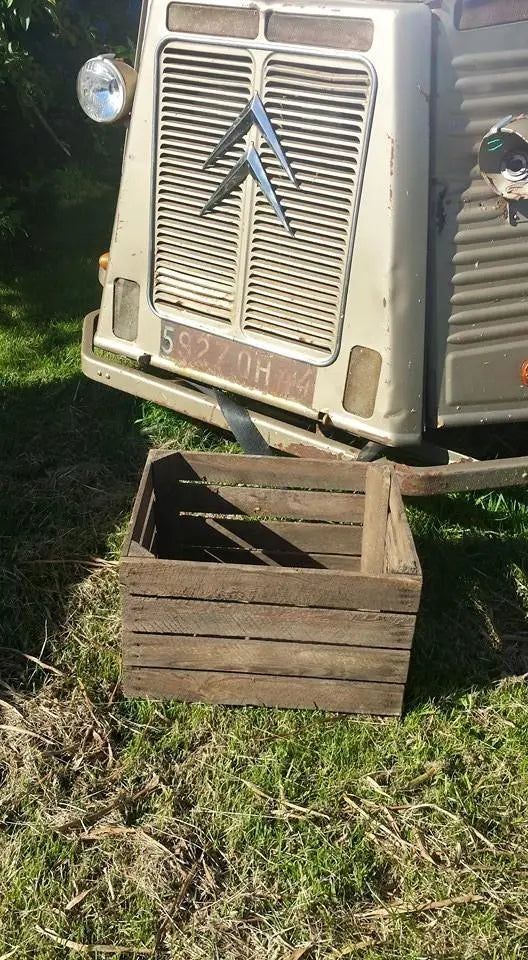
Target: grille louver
[(197, 258)]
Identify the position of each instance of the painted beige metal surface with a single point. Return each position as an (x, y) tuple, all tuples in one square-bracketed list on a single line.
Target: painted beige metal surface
[(356, 121), (318, 295)]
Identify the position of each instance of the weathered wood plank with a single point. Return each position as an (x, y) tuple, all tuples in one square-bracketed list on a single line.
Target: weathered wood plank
[(149, 530), (308, 474), (401, 552), (270, 535), (375, 518), (142, 506), (136, 550), (272, 558), (252, 501), (302, 588), (343, 696), (276, 658), (203, 617)]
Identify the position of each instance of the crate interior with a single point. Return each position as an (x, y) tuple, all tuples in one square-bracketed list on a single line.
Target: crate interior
[(282, 521)]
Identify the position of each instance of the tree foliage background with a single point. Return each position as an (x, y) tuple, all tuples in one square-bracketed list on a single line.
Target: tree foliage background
[(43, 44)]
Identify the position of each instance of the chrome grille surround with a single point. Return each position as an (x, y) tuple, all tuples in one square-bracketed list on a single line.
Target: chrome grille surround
[(237, 271)]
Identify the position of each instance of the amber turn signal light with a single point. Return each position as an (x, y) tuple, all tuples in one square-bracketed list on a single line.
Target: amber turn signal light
[(104, 260), (524, 373)]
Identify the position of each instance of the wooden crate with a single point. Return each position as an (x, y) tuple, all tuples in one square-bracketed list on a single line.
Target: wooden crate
[(267, 580)]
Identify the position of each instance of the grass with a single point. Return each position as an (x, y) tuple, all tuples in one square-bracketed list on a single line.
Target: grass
[(200, 832)]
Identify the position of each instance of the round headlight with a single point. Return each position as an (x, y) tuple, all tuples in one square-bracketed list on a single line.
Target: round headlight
[(105, 88)]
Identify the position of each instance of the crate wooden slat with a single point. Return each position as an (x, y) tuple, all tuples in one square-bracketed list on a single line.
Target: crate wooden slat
[(272, 657), (275, 536), (377, 493), (266, 502), (201, 618), (341, 696), (292, 587), (267, 580), (289, 473)]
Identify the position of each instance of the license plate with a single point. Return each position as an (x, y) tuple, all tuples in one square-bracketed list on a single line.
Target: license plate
[(237, 363)]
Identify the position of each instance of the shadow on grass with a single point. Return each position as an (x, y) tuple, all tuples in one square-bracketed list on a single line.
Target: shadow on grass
[(71, 450), (75, 455), (472, 627)]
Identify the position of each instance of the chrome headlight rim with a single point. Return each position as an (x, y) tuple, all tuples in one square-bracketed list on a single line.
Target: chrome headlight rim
[(107, 69)]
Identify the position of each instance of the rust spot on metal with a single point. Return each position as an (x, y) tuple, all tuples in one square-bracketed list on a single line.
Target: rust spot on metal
[(441, 212), (313, 453), (391, 167), (238, 363), (341, 33), (524, 373), (392, 153), (458, 477)]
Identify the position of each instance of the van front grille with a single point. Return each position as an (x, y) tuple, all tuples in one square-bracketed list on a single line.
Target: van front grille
[(237, 266)]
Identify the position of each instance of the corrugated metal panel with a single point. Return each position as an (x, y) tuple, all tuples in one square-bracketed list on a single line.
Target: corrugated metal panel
[(196, 259), (490, 291), (296, 285)]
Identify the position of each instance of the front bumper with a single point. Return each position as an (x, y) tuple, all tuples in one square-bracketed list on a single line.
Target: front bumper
[(182, 397)]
